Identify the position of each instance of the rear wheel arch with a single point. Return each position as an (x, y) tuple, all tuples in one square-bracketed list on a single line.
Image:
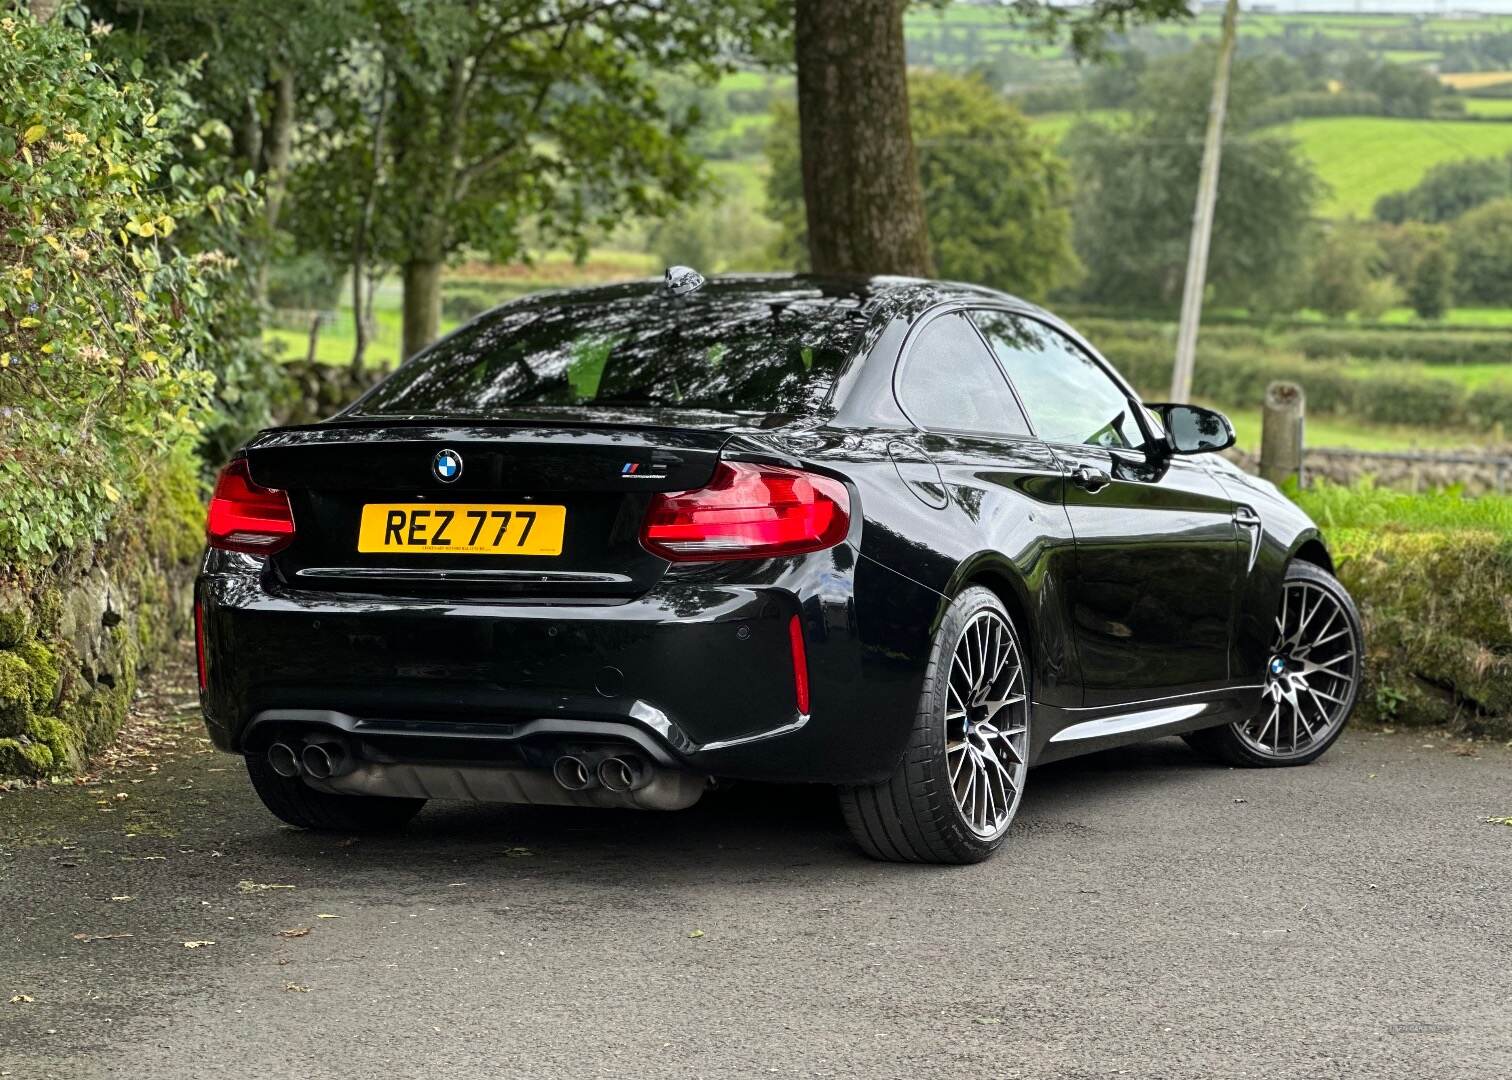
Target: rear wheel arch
[(997, 574)]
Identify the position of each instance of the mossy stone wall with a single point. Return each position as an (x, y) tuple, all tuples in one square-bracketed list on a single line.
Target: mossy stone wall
[(75, 635), (1438, 624)]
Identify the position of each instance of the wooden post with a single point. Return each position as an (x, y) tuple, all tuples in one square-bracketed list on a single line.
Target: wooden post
[(1281, 433), (315, 322)]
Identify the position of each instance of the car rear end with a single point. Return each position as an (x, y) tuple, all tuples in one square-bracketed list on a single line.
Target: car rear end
[(572, 592)]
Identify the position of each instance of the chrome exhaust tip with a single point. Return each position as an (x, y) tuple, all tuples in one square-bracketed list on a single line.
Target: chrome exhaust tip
[(326, 758), (283, 760), (626, 773), (573, 773)]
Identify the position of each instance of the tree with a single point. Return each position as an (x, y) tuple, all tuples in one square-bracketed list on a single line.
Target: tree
[(865, 206), (1428, 289), (860, 179), (1447, 190), (1133, 186), (508, 115), (1481, 245), (1343, 271), (262, 66), (996, 196)]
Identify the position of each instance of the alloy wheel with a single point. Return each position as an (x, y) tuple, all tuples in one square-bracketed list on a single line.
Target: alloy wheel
[(1310, 677), (987, 724)]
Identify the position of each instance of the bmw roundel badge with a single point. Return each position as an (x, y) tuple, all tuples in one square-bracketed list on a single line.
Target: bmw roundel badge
[(447, 465)]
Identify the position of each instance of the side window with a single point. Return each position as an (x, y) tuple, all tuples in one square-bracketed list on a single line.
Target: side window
[(950, 383), (1068, 396)]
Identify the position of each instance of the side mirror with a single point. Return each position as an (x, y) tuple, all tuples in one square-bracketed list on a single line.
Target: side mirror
[(1192, 429)]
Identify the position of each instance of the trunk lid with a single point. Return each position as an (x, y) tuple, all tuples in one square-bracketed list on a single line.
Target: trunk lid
[(601, 473)]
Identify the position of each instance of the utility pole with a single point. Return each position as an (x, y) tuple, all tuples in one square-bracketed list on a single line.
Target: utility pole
[(1202, 216)]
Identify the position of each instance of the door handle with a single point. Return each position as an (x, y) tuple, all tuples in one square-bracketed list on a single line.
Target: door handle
[(1090, 479), (1243, 515)]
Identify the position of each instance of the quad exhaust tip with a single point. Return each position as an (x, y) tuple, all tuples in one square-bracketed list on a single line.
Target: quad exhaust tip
[(624, 773), (283, 760), (325, 758), (573, 773)]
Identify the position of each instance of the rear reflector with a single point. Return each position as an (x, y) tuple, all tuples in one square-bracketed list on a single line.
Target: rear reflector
[(246, 517), (800, 664), (199, 641), (748, 511)]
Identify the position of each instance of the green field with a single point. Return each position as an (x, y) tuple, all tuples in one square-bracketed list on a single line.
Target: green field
[(1364, 157), (1333, 431), (1498, 107)]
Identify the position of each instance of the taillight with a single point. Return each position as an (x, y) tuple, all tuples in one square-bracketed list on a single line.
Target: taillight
[(246, 517), (748, 511)]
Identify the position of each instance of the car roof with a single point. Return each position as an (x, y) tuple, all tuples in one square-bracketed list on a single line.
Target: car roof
[(891, 294)]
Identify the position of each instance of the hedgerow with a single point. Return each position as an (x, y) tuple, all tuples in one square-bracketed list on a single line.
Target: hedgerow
[(1432, 575), (1237, 377), (112, 328)]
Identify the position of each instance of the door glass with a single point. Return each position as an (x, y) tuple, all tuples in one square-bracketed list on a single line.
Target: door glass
[(950, 383), (1068, 396)]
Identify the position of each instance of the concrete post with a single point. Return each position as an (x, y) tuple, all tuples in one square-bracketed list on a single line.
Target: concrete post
[(1281, 433)]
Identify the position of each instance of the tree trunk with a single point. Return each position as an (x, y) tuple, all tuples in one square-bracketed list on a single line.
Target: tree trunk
[(279, 146), (249, 135), (364, 227), (860, 176), (422, 304), (44, 10)]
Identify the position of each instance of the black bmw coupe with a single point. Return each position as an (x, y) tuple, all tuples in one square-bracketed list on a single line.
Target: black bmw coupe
[(609, 547)]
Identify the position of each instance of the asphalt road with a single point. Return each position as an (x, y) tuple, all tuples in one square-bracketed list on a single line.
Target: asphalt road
[(1150, 916)]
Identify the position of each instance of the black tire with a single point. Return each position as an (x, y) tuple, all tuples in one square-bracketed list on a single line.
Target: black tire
[(292, 800), (1225, 745), (913, 816)]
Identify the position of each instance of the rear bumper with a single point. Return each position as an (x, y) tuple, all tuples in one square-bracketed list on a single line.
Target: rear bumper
[(698, 671)]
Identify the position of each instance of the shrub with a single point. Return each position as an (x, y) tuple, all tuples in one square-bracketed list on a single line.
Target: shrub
[(1482, 246), (464, 305), (1432, 575), (309, 282), (1427, 347), (110, 331), (1429, 282)]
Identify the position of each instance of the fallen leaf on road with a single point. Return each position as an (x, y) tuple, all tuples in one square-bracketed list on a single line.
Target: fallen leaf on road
[(517, 853), (696, 933), (122, 899), (1499, 821), (296, 988), (197, 944), (257, 886), (22, 999), (330, 916), (99, 937), (297, 931)]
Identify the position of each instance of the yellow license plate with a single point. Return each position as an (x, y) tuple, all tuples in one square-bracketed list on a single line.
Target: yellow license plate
[(462, 528)]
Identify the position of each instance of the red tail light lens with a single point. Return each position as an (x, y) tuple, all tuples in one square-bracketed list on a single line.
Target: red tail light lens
[(748, 511), (246, 517)]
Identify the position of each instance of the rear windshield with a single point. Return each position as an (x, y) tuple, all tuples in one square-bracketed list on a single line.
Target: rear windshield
[(727, 349)]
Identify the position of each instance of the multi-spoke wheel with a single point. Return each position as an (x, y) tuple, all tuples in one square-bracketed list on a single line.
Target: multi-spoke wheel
[(958, 786), (1310, 682), (986, 732)]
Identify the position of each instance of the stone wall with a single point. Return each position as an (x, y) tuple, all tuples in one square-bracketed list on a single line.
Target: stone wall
[(314, 390), (1477, 471), (75, 636)]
